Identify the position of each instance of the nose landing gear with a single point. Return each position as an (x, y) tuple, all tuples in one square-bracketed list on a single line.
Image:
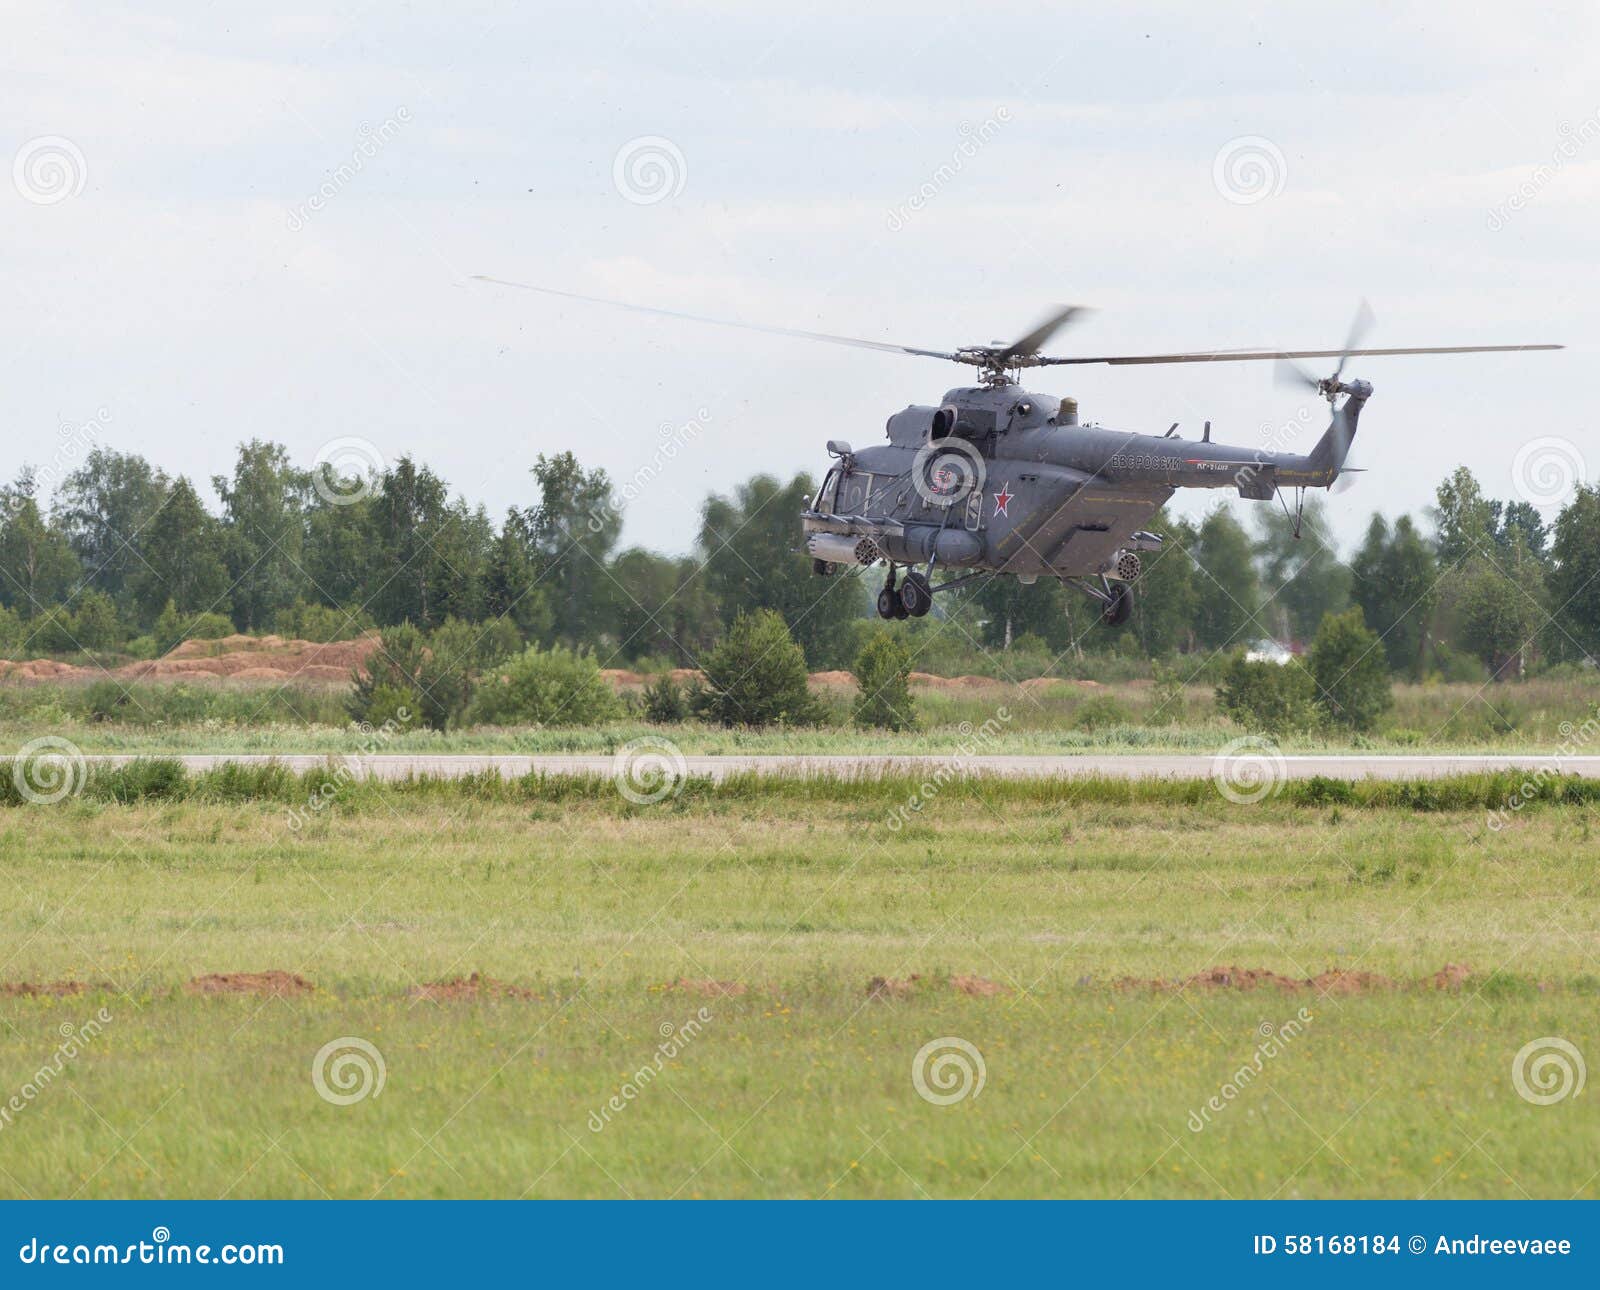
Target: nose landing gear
[(912, 599)]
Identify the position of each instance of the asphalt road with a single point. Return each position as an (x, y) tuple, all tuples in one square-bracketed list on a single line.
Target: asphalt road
[(1128, 766)]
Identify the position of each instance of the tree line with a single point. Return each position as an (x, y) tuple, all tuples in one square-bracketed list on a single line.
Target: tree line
[(124, 556)]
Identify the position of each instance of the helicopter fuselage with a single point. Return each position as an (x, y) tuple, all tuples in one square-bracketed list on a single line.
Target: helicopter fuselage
[(996, 478)]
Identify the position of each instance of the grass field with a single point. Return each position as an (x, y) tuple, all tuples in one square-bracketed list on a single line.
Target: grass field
[(589, 912), (1038, 717)]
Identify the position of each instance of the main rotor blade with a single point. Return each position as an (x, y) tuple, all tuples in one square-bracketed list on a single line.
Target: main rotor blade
[(722, 322), (1045, 328), (1240, 356), (1360, 325)]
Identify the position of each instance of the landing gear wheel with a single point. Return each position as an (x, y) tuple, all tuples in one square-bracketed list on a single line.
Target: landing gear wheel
[(1120, 607), (916, 597), (888, 603)]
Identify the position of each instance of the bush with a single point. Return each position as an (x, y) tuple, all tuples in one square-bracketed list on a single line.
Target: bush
[(95, 624), (881, 671), (1276, 698), (554, 687), (1100, 712), (173, 628), (432, 678), (1351, 671), (321, 623), (756, 676), (664, 701), (394, 667)]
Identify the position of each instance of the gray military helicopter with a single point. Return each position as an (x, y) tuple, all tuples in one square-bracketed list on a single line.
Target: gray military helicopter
[(997, 480)]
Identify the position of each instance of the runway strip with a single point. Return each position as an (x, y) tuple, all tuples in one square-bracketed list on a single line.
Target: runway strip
[(1123, 766)]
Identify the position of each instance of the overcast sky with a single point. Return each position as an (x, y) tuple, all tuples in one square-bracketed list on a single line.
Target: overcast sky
[(223, 226)]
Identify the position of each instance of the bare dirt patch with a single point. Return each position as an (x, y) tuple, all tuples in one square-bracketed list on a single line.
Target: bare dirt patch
[(282, 984), (476, 986), (1336, 981), (976, 987)]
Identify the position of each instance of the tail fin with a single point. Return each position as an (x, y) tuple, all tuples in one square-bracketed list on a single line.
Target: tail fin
[(1327, 457)]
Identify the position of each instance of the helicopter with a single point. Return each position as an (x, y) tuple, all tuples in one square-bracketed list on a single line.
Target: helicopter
[(995, 479)]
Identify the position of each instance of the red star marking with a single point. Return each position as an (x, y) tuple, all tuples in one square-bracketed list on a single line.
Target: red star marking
[(1002, 499)]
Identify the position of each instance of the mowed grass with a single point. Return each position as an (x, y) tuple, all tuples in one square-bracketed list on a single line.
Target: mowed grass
[(802, 1085)]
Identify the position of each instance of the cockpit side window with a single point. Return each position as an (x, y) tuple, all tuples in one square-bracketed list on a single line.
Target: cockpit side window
[(823, 502)]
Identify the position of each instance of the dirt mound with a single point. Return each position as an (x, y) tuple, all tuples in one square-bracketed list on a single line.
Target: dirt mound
[(52, 989), (266, 983), (687, 675), (471, 987), (710, 989), (621, 676), (979, 987), (232, 658), (1335, 981), (832, 678), (976, 987)]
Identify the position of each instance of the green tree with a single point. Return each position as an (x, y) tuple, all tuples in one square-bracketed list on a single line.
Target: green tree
[(1466, 519), (757, 676), (1498, 607), (182, 559), (1168, 591), (1228, 594), (1396, 586), (750, 549), (1350, 671), (263, 518), (1575, 579), (1303, 577), (882, 669), (37, 566), (572, 529), (103, 507), (408, 510)]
